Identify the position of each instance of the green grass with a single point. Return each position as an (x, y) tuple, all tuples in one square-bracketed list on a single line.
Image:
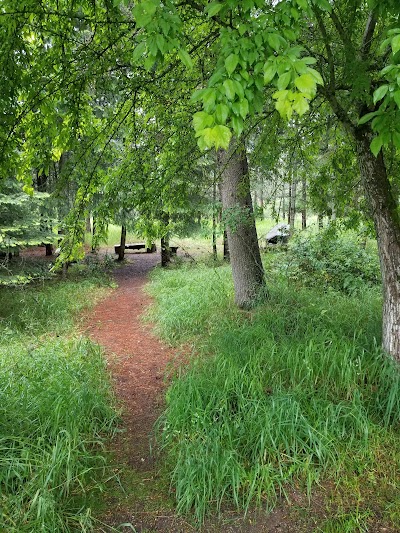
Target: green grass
[(296, 392), (56, 408)]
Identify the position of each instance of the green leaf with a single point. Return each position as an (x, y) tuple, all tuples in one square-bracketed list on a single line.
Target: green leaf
[(213, 8), (185, 58), (316, 75), (144, 12), (221, 113), (202, 120), (396, 97), (231, 63), (309, 60), (284, 80), (244, 108), (380, 93), (324, 5), (302, 3), (284, 108), (138, 51), (216, 77), (197, 95), (209, 96), (229, 87), (247, 5), (300, 104), (222, 137), (217, 137), (160, 40), (237, 125), (396, 139), (305, 83), (238, 88), (269, 71), (149, 62), (364, 119), (396, 44), (376, 145), (274, 41)]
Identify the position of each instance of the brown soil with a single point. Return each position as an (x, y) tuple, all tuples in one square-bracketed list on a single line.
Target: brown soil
[(136, 358), (137, 361)]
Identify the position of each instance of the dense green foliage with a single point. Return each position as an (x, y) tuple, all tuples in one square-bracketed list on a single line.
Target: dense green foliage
[(55, 409), (293, 392), (25, 220), (327, 259)]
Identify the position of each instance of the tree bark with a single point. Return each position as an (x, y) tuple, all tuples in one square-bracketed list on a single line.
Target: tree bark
[(304, 206), (238, 216), (226, 247), (165, 250), (122, 242), (292, 205), (383, 207), (94, 248), (214, 222)]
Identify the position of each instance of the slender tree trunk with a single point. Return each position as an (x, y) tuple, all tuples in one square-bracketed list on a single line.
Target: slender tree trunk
[(247, 269), (261, 200), (165, 250), (283, 202), (320, 220), (49, 249), (122, 242), (304, 207), (383, 207), (292, 205), (226, 248), (214, 222), (88, 224), (93, 235)]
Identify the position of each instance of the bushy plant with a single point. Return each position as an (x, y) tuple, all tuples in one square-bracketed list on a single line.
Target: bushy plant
[(330, 259)]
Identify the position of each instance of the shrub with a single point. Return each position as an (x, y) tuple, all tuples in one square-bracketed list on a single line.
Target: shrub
[(330, 259)]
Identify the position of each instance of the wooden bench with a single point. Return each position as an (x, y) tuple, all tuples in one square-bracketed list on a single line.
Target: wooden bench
[(136, 246)]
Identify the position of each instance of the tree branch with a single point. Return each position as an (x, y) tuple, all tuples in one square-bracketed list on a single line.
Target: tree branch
[(368, 35)]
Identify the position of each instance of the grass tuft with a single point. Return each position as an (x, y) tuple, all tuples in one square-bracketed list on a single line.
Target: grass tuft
[(56, 408), (294, 392)]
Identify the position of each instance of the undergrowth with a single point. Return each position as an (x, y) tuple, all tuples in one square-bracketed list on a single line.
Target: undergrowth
[(293, 393), (56, 408)]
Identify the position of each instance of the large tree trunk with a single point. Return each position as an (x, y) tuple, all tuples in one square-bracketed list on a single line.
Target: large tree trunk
[(383, 207), (238, 216)]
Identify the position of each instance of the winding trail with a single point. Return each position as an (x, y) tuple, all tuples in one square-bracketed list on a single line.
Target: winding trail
[(136, 358), (137, 361)]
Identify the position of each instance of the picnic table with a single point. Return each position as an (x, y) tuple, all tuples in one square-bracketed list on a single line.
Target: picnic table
[(136, 246)]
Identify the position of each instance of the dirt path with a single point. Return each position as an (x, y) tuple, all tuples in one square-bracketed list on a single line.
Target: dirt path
[(137, 361), (136, 358)]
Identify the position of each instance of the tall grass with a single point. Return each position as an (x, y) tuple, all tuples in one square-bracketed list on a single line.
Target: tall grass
[(56, 408), (292, 392)]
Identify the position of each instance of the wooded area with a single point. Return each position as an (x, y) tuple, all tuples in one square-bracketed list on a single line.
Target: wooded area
[(175, 118)]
